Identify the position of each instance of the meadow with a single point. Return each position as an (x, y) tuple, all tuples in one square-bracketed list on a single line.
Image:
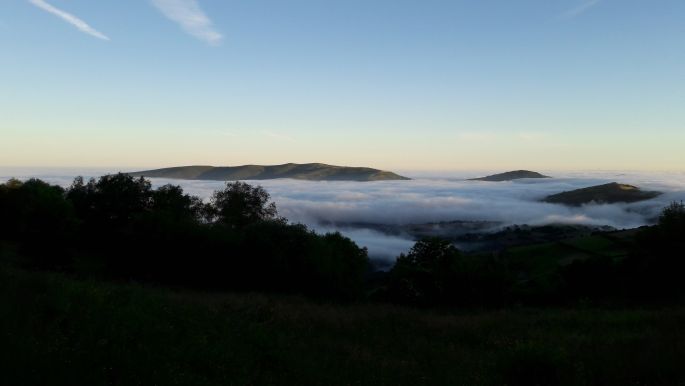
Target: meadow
[(59, 330)]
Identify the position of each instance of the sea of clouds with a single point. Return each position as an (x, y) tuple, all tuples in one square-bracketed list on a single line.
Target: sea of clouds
[(448, 196)]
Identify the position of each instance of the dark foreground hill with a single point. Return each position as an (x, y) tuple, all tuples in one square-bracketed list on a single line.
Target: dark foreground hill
[(311, 171), (606, 194), (508, 176), (61, 331)]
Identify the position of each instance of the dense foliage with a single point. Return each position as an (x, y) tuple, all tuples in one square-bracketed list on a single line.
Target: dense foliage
[(435, 273), (119, 227)]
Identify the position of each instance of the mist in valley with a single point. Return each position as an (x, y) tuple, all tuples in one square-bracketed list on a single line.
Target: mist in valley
[(360, 209)]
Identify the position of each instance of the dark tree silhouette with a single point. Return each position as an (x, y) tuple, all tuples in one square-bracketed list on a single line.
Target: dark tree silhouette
[(119, 227), (37, 215), (656, 265), (429, 255), (33, 207), (426, 273), (172, 202), (113, 199), (672, 221), (240, 204)]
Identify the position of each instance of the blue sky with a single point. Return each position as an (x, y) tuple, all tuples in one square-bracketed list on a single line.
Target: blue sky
[(401, 84)]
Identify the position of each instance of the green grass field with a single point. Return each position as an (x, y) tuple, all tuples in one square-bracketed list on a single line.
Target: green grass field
[(544, 259), (56, 330)]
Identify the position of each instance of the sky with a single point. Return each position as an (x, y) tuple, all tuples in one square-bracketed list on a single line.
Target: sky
[(393, 84)]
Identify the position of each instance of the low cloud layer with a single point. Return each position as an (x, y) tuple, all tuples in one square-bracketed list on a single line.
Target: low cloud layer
[(327, 206)]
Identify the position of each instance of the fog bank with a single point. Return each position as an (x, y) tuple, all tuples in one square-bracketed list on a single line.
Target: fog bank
[(329, 206)]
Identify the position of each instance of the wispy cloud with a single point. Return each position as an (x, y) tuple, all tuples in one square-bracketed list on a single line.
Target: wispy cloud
[(476, 136), (69, 18), (280, 137), (191, 18), (224, 133), (582, 8), (531, 136)]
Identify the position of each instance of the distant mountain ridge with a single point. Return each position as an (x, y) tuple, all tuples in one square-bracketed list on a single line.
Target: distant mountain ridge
[(309, 171), (605, 194), (512, 175)]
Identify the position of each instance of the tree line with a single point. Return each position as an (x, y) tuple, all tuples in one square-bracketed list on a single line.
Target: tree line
[(118, 227), (434, 272)]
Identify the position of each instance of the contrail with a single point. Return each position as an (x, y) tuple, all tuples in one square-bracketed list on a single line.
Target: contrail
[(580, 9), (69, 18)]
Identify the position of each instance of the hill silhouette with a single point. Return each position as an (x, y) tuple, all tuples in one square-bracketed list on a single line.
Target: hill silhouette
[(607, 194), (310, 171), (512, 175)]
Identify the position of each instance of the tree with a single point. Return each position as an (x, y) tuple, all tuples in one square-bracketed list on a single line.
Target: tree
[(170, 201), (427, 274), (672, 221), (240, 204), (654, 268), (36, 215), (119, 227), (33, 207), (430, 255), (113, 199)]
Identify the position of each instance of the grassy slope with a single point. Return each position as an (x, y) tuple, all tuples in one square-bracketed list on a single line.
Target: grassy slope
[(607, 193), (314, 171), (544, 259), (57, 330), (512, 175)]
